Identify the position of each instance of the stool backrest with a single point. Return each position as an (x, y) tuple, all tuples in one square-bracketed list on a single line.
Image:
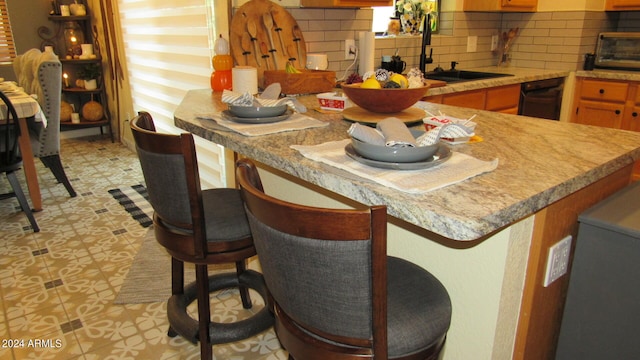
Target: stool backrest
[(325, 268), (171, 175)]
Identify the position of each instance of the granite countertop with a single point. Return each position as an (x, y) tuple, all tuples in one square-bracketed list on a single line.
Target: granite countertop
[(520, 75), (610, 74), (540, 162)]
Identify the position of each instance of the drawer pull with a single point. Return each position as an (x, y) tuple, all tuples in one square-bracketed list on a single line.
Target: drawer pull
[(601, 91), (634, 114), (617, 112)]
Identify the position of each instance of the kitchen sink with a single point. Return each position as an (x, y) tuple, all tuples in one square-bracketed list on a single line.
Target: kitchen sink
[(454, 76)]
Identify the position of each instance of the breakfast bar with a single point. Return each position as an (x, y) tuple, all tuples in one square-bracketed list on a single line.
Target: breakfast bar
[(486, 238)]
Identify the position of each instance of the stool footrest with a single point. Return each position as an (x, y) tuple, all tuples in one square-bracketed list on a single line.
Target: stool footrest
[(220, 333)]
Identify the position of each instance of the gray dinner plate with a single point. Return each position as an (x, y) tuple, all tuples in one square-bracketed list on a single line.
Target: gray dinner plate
[(442, 154), (265, 120), (260, 112)]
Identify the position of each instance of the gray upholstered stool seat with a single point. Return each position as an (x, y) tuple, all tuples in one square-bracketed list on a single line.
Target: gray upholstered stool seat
[(224, 215), (417, 315)]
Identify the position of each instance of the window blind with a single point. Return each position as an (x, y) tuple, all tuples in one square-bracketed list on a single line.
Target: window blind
[(167, 49), (7, 46)]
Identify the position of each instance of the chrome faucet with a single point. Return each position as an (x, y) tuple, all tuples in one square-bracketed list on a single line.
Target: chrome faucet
[(426, 40)]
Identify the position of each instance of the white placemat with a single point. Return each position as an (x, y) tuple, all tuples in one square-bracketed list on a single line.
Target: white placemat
[(458, 168), (294, 122)]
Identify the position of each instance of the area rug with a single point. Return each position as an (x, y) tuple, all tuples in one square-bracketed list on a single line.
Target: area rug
[(135, 201), (149, 278)]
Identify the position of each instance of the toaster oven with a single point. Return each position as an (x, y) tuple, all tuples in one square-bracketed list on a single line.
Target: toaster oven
[(618, 50)]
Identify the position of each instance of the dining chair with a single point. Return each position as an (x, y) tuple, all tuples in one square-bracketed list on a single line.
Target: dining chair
[(335, 292), (197, 226), (40, 73), (10, 159)]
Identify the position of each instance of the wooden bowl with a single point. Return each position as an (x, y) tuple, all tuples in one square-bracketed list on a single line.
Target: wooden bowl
[(384, 100)]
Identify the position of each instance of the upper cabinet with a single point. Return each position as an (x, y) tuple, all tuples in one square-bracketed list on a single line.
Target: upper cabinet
[(622, 5), (502, 5), (344, 3)]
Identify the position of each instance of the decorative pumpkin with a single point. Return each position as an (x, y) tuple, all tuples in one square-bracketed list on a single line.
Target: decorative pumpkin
[(221, 80), (92, 111), (221, 46), (222, 62), (77, 9), (65, 111)]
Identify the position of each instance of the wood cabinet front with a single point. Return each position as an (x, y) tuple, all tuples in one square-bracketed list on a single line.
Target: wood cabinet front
[(600, 114), (622, 5), (344, 3), (474, 99), (500, 5), (631, 120), (504, 99), (608, 103)]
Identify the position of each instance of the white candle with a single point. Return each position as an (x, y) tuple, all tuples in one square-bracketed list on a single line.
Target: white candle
[(66, 79)]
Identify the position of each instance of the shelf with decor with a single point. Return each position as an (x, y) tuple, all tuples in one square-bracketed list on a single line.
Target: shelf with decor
[(84, 96)]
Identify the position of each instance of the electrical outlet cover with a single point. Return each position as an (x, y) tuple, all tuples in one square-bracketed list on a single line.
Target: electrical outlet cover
[(558, 260), (349, 49), (494, 42)]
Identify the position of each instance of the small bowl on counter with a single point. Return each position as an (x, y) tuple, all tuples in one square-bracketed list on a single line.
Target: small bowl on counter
[(394, 154)]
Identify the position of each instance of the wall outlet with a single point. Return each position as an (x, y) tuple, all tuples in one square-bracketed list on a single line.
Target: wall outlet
[(472, 43), (350, 49), (494, 42), (558, 260)]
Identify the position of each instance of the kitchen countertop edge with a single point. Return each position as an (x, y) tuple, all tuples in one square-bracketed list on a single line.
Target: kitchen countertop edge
[(474, 209)]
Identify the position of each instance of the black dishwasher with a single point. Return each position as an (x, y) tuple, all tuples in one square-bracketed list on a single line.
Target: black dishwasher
[(541, 98)]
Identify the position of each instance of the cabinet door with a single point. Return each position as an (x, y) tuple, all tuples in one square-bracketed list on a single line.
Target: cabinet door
[(604, 90), (632, 119), (500, 5), (344, 3), (519, 3), (474, 99), (433, 99), (503, 98), (622, 5), (600, 114)]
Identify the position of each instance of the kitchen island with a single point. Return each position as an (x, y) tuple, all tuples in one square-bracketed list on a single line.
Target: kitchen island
[(485, 238)]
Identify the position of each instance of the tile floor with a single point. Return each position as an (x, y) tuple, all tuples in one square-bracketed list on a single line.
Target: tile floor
[(57, 286)]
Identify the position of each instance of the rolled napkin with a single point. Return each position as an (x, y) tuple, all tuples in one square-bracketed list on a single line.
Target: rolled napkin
[(246, 99), (450, 131), (396, 133), (236, 98), (366, 134)]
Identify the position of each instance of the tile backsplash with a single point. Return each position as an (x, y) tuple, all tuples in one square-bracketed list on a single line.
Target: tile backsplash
[(546, 40)]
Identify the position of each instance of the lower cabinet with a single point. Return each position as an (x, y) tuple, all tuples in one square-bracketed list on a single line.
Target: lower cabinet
[(503, 99), (608, 103)]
